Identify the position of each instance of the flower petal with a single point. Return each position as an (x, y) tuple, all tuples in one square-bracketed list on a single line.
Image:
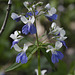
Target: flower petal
[(62, 32), (24, 20), (60, 55), (14, 16), (63, 42), (43, 72), (13, 43), (24, 58), (53, 26), (58, 45), (32, 19), (54, 16), (52, 11), (47, 6), (36, 12), (54, 58), (18, 58), (32, 29), (25, 47), (17, 48), (25, 29)]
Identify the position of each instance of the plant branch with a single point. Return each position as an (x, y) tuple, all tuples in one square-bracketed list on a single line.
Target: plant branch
[(6, 17)]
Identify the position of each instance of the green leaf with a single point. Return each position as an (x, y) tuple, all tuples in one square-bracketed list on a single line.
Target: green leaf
[(48, 57), (32, 50)]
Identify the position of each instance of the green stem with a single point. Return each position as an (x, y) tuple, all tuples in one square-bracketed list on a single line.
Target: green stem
[(39, 68)]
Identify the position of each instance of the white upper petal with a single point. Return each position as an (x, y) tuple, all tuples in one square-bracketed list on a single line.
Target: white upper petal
[(14, 16), (52, 11), (58, 45), (24, 20), (17, 48), (12, 36), (48, 50), (62, 32), (25, 47), (16, 33), (62, 38), (53, 26), (32, 19), (43, 72), (48, 6)]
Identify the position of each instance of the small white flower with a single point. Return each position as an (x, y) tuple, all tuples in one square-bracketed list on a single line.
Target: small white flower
[(16, 37), (42, 72)]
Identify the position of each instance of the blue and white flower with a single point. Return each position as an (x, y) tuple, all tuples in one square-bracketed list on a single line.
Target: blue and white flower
[(51, 13), (21, 56), (29, 27), (16, 37), (16, 17), (59, 33), (56, 55), (42, 72)]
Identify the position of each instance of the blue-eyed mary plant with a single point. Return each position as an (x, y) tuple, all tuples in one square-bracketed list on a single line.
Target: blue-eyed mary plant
[(50, 50)]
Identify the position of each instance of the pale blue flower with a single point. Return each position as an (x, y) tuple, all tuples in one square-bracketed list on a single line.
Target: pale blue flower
[(51, 13), (16, 37), (29, 26), (21, 57), (16, 17), (56, 55)]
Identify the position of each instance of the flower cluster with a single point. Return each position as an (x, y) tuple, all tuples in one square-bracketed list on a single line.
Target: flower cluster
[(29, 20), (59, 36)]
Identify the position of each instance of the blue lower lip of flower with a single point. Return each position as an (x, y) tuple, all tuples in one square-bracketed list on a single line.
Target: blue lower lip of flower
[(26, 29), (59, 55), (17, 19), (31, 14), (24, 58), (53, 17), (13, 43), (63, 42), (21, 57), (32, 29), (54, 58)]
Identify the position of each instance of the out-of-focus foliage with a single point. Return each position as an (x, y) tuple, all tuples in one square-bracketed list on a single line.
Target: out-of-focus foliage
[(66, 19)]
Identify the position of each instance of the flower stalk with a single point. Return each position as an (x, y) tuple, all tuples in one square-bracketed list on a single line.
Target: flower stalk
[(39, 68)]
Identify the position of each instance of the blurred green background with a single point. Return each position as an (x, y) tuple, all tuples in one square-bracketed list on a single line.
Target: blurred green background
[(66, 19)]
